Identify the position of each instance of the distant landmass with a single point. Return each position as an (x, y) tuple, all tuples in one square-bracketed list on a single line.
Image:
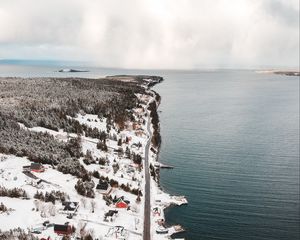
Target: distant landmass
[(72, 70), (288, 73), (281, 72)]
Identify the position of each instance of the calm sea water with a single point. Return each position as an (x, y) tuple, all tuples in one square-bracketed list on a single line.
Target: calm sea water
[(233, 137)]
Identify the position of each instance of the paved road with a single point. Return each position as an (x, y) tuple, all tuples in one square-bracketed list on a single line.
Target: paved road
[(147, 210)]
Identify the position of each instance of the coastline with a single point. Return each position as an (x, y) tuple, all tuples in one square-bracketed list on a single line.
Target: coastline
[(161, 200)]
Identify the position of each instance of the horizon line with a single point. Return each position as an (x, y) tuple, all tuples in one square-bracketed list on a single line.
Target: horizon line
[(38, 62)]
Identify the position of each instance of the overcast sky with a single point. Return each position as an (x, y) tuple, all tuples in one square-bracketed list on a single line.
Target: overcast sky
[(153, 33)]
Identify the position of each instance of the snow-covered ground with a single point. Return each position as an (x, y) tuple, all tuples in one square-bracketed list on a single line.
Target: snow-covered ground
[(23, 213)]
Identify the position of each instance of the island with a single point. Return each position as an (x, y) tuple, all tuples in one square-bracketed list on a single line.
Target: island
[(78, 159), (70, 70)]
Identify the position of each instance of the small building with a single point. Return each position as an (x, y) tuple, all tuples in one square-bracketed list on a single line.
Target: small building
[(64, 230), (70, 207), (121, 204), (153, 150), (103, 187), (110, 215), (34, 167)]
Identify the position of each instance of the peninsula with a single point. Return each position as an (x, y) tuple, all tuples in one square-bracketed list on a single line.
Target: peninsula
[(78, 159)]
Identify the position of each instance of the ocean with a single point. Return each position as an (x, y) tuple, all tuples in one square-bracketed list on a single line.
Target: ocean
[(233, 138)]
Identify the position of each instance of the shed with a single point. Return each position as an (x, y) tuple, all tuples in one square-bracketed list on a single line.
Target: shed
[(62, 229), (110, 213), (37, 167)]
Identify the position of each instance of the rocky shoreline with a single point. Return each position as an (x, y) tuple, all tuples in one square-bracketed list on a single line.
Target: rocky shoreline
[(162, 200)]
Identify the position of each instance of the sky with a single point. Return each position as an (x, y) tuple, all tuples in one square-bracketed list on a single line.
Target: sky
[(148, 34)]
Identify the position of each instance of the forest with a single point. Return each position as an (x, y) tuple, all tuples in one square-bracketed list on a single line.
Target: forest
[(49, 103)]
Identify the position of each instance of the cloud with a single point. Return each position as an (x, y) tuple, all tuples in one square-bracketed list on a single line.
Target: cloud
[(153, 33)]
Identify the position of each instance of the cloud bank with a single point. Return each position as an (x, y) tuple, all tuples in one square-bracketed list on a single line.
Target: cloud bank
[(153, 33)]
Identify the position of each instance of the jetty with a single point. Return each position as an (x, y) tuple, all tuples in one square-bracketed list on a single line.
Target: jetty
[(161, 165)]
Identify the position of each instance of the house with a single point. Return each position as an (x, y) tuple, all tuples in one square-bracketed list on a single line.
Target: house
[(110, 215), (65, 229), (70, 207), (103, 187), (121, 204), (37, 167), (34, 167)]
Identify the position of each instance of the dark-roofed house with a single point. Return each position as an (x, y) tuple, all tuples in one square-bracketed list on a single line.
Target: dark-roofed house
[(63, 229), (103, 187), (110, 215), (70, 207), (34, 167), (37, 167)]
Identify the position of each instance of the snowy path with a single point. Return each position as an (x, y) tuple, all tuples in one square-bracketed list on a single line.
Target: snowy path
[(31, 175), (110, 225)]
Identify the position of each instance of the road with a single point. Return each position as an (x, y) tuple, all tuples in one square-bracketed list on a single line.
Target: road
[(147, 210)]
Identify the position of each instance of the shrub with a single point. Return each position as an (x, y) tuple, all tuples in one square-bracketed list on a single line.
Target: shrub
[(85, 188), (102, 146), (13, 193), (51, 196), (3, 208)]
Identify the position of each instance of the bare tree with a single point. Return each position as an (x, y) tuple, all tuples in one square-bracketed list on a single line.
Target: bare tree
[(43, 210), (93, 206), (83, 201), (81, 228), (37, 205), (52, 209)]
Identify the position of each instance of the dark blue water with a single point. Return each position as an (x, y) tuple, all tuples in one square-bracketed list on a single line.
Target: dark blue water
[(233, 137)]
